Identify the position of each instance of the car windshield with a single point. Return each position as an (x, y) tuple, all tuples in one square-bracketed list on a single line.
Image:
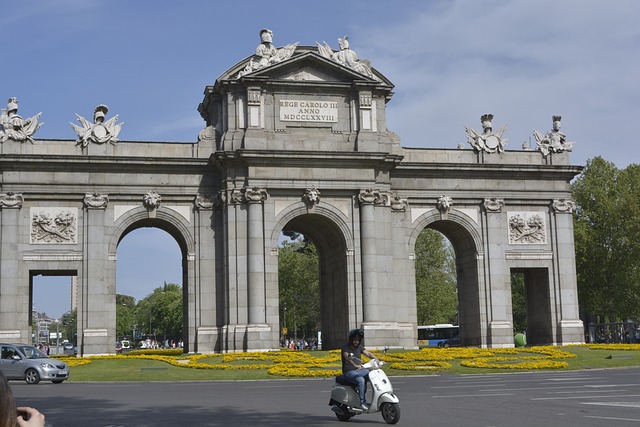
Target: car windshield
[(32, 352)]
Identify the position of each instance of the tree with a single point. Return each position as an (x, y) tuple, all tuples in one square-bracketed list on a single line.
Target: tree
[(518, 303), (607, 240), (436, 284), (160, 314), (69, 323), (125, 321), (299, 286)]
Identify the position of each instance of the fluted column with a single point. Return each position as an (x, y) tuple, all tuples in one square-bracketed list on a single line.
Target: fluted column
[(368, 249), (255, 261)]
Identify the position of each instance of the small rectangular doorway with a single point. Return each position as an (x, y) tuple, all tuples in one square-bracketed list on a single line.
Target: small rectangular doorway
[(531, 304), (53, 302)]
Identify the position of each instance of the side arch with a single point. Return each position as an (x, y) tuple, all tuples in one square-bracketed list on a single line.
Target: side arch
[(174, 224), (458, 227), (463, 234), (164, 220)]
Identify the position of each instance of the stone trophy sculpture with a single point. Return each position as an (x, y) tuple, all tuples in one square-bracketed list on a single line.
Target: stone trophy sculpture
[(488, 141), (100, 131), (553, 141), (14, 127), (347, 57), (267, 54)]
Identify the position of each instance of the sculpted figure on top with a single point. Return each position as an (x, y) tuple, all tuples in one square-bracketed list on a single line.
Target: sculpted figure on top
[(553, 141), (99, 132), (267, 54), (488, 140), (14, 127), (346, 57)]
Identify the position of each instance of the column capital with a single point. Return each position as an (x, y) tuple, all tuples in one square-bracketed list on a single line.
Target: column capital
[(564, 206), (255, 194), (493, 204), (96, 201), (11, 200), (367, 197), (205, 202)]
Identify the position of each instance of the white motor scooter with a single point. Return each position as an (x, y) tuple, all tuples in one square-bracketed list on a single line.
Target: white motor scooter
[(345, 401)]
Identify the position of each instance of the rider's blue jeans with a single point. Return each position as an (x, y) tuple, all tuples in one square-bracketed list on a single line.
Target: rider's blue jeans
[(359, 376)]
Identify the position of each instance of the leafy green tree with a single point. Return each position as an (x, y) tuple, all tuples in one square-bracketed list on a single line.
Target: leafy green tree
[(69, 325), (160, 314), (125, 320), (436, 285), (518, 303), (299, 287), (607, 240)]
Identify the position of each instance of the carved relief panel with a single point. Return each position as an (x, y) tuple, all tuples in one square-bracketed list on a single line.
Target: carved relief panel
[(527, 228), (54, 226)]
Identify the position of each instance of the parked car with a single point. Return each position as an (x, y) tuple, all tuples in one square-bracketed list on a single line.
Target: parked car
[(451, 342), (25, 362)]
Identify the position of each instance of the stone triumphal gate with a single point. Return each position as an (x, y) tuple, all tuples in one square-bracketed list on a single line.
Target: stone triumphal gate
[(295, 139)]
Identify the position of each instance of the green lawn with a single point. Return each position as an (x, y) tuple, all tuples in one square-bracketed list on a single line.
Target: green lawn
[(131, 369)]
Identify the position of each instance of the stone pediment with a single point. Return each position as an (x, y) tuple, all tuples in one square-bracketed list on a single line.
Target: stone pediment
[(305, 66), (308, 74)]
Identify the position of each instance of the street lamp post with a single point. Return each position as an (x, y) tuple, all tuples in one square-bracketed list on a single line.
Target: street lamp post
[(57, 336)]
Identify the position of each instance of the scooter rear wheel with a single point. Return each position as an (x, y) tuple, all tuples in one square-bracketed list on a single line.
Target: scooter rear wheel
[(390, 412)]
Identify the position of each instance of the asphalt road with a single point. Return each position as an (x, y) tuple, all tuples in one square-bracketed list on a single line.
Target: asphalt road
[(581, 398)]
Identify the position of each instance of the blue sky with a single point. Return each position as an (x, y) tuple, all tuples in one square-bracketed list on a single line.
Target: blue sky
[(450, 61)]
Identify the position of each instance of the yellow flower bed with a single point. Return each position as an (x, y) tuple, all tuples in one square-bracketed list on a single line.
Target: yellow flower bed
[(302, 371), (500, 363), (549, 351), (614, 347), (290, 363), (421, 366)]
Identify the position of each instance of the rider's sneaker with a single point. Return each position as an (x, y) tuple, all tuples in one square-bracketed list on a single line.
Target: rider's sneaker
[(365, 406)]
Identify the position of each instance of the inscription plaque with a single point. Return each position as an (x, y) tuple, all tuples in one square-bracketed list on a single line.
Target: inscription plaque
[(300, 110)]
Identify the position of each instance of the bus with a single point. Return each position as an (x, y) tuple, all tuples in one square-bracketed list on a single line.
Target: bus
[(435, 335)]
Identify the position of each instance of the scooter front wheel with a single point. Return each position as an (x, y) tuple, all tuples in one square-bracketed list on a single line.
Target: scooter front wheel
[(390, 412)]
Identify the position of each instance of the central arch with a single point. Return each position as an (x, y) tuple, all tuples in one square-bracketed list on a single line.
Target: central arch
[(328, 232)]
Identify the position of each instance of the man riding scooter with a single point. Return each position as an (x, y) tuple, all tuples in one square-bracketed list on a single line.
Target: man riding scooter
[(352, 363)]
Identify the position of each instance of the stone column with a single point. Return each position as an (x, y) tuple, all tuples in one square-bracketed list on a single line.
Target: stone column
[(205, 299), (255, 249), (571, 327), (496, 308), (14, 325), (368, 248), (98, 281)]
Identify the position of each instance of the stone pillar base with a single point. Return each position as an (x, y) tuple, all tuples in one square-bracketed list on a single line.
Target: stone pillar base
[(389, 335), (208, 340), (501, 334), (260, 337), (95, 343), (253, 337), (571, 332), (12, 336)]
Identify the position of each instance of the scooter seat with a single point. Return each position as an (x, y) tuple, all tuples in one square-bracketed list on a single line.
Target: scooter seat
[(342, 380)]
